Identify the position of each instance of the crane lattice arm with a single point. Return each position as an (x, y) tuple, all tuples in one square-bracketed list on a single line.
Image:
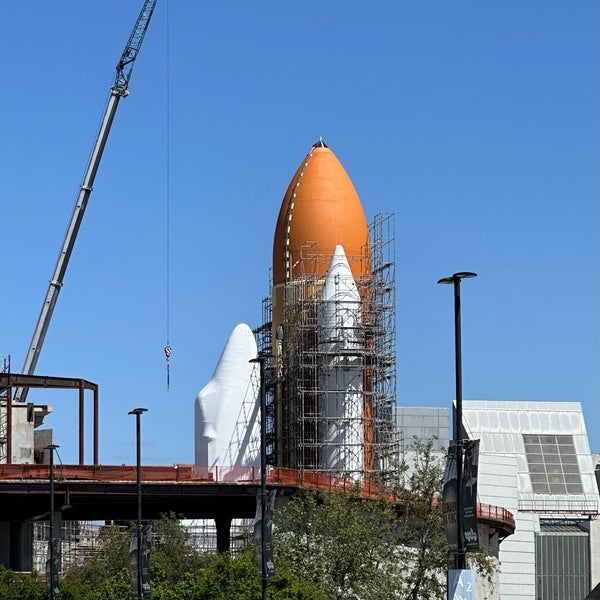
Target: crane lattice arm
[(118, 90), (125, 65)]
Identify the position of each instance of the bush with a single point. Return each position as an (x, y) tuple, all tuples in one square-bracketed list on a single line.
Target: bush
[(21, 586)]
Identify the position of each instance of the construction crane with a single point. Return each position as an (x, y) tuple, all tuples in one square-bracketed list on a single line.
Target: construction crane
[(118, 90)]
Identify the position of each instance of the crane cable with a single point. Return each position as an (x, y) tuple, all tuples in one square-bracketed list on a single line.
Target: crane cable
[(167, 349)]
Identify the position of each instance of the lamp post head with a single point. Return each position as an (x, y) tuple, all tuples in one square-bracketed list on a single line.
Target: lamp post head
[(137, 411), (457, 277), (51, 447)]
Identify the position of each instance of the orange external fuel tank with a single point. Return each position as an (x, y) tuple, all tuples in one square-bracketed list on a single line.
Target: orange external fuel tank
[(319, 211)]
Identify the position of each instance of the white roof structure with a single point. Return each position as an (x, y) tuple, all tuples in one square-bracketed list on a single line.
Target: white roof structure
[(535, 461), (550, 444)]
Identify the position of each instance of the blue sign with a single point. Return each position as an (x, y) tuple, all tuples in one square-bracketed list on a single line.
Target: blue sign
[(461, 584)]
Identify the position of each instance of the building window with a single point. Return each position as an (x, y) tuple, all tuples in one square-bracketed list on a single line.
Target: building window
[(553, 464), (562, 560)]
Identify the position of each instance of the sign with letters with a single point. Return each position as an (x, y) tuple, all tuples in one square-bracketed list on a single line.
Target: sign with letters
[(461, 584)]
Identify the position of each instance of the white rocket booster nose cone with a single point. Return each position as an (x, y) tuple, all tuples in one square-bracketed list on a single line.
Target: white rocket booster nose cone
[(221, 438), (340, 305), (339, 281)]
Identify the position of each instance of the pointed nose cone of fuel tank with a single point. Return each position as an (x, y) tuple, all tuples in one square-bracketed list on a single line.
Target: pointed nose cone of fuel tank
[(320, 210)]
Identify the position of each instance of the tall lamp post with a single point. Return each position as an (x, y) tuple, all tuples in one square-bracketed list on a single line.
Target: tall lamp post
[(52, 544), (459, 558), (263, 471), (138, 413)]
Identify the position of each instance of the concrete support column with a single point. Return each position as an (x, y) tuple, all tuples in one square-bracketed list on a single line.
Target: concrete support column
[(223, 525), (5, 543), (21, 545)]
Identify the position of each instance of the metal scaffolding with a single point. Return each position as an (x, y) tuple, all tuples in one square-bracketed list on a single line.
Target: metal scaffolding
[(4, 368), (81, 540), (264, 342), (382, 332), (330, 404)]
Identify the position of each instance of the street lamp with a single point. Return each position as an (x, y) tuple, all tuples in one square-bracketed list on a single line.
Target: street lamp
[(459, 559), (53, 587), (138, 413), (261, 359)]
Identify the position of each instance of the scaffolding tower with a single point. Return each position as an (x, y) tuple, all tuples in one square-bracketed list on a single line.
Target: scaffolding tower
[(264, 343), (382, 332), (330, 404), (4, 368)]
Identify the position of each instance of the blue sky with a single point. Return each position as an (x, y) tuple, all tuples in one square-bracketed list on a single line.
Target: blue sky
[(475, 123)]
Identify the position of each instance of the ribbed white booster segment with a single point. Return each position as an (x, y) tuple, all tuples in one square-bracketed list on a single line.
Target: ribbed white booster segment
[(227, 419), (341, 376)]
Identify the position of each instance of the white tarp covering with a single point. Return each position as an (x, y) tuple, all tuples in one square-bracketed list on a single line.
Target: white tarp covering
[(227, 412)]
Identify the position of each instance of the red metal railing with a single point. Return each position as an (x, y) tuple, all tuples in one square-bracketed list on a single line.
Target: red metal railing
[(495, 513), (240, 475)]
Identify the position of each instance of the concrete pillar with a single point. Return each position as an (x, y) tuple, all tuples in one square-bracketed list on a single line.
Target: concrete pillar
[(5, 543), (223, 534), (16, 545), (21, 545)]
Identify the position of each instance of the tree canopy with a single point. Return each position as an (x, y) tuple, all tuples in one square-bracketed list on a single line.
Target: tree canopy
[(373, 549), (178, 571)]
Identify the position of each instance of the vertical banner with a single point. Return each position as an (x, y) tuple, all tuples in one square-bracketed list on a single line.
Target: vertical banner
[(469, 495), (268, 541), (53, 567), (144, 557), (449, 496)]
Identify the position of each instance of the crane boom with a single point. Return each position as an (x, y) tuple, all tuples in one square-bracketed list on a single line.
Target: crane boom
[(118, 90)]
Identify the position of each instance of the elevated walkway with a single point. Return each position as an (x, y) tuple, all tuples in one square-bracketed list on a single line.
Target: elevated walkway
[(109, 492)]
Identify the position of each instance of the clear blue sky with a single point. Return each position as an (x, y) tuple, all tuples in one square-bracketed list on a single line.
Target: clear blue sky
[(475, 123)]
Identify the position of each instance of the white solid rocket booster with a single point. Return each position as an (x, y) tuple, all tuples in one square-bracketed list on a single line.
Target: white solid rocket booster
[(341, 380)]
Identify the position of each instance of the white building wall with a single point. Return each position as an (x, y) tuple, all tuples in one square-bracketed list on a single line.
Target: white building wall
[(595, 551), (504, 480), (517, 561), (497, 485), (595, 537)]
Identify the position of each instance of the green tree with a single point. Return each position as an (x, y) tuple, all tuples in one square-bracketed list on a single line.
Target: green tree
[(422, 540), (236, 578), (172, 552), (84, 581), (20, 586), (178, 571), (421, 537), (364, 549), (339, 541)]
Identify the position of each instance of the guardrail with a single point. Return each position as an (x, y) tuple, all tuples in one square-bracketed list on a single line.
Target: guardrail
[(185, 473), (495, 513), (555, 505)]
